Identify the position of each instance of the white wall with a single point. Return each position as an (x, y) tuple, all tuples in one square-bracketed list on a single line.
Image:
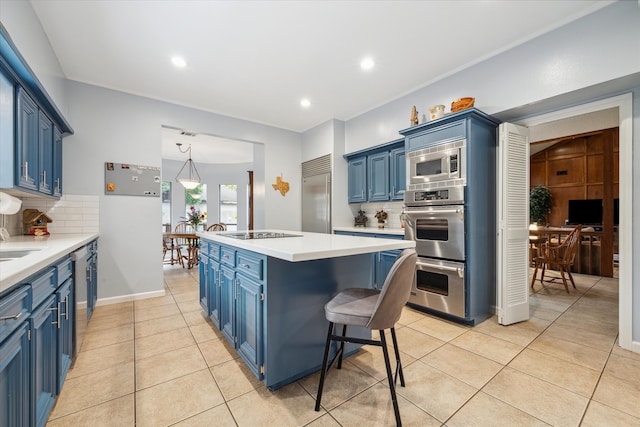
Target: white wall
[(27, 34), (213, 175), (113, 126)]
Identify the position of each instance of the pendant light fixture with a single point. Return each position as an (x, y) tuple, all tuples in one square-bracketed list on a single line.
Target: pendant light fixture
[(192, 179)]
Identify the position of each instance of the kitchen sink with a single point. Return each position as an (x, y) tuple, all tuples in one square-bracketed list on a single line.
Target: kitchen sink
[(13, 254)]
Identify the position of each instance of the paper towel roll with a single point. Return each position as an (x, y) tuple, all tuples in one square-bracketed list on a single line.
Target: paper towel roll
[(9, 205)]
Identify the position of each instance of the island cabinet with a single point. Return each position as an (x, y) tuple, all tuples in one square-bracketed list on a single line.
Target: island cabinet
[(36, 344), (231, 284), (383, 260), (377, 174), (270, 302)]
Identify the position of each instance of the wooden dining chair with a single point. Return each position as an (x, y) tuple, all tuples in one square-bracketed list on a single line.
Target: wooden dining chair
[(183, 243), (217, 227), (168, 245), (560, 256)]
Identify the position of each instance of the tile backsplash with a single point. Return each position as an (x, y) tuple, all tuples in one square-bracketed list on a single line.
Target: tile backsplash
[(70, 214), (393, 209)]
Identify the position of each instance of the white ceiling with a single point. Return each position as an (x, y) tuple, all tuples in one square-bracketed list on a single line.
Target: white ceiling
[(204, 148), (256, 59)]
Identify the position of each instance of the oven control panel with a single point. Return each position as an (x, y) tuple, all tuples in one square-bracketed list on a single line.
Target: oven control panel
[(444, 196)]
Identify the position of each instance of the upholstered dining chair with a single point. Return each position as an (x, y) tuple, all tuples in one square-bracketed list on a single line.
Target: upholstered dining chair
[(217, 227), (372, 309), (560, 256)]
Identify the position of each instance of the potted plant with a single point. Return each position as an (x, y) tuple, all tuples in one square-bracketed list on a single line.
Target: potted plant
[(539, 204), (381, 216)]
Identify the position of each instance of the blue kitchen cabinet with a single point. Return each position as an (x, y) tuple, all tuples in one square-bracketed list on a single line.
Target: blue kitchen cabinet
[(203, 266), (383, 266), (398, 168), (45, 154), (249, 323), (64, 298), (378, 176), (214, 292), (357, 185), (57, 162), (44, 337), (14, 378), (15, 368), (227, 303), (26, 155)]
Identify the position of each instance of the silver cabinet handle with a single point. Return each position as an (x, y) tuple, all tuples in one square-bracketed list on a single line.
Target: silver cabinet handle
[(44, 177), (14, 317), (57, 309), (57, 185), (25, 168), (247, 266), (66, 307)]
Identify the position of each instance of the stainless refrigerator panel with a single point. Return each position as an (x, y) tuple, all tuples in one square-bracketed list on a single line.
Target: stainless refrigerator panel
[(316, 203)]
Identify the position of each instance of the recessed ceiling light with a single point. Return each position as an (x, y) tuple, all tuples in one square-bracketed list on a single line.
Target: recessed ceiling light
[(367, 64), (178, 62), (304, 102)]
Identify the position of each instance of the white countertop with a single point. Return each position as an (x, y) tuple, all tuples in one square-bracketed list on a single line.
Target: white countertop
[(308, 246), (46, 249), (372, 230)]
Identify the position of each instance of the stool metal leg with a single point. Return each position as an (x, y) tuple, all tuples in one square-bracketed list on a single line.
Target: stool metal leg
[(398, 362), (392, 387), (323, 372), (344, 334)]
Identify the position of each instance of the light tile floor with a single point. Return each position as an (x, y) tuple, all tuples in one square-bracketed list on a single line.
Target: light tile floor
[(160, 362)]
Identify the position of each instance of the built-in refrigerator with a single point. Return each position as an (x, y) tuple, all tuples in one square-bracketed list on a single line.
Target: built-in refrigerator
[(316, 203)]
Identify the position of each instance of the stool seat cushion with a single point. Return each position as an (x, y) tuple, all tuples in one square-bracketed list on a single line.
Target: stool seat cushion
[(353, 306)]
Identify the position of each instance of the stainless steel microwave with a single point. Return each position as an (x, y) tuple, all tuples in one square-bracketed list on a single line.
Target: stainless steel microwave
[(425, 166)]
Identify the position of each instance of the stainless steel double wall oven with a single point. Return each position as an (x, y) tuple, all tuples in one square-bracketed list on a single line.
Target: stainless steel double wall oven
[(450, 213)]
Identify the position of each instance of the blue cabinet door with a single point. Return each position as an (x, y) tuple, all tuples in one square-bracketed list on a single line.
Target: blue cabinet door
[(249, 323), (14, 378), (57, 162), (383, 266), (378, 176), (26, 167), (398, 173), (65, 330), (204, 282), (357, 185), (227, 303), (214, 292), (44, 339), (45, 157)]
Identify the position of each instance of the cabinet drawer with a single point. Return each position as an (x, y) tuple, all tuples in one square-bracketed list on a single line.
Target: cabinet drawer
[(250, 264), (64, 269), (43, 285), (437, 135), (214, 250), (228, 256), (14, 308)]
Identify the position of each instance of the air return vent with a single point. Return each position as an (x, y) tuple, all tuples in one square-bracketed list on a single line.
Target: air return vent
[(317, 166)]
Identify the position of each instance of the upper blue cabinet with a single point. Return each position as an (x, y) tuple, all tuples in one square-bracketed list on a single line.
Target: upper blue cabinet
[(377, 174), (31, 128)]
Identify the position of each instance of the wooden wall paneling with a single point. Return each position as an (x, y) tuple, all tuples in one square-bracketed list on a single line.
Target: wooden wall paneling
[(538, 173), (566, 171), (595, 191), (595, 168), (570, 147), (560, 203)]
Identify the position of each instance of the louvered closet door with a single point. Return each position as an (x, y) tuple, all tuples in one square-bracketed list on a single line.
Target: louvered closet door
[(513, 224)]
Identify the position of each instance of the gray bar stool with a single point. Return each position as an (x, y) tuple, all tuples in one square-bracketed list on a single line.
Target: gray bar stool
[(372, 309)]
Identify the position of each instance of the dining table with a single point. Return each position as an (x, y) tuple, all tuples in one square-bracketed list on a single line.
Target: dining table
[(190, 240)]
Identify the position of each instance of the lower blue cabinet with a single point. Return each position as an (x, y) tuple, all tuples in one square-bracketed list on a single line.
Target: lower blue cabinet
[(383, 265), (227, 303), (249, 322), (64, 297), (214, 291), (44, 336), (14, 378)]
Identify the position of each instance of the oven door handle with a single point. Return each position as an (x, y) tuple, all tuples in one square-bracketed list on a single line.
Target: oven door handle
[(435, 211), (458, 270)]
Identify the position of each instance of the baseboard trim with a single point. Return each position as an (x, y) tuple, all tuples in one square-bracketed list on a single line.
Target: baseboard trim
[(131, 297)]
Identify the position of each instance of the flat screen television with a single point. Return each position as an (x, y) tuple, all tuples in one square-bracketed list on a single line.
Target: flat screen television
[(585, 212), (616, 211)]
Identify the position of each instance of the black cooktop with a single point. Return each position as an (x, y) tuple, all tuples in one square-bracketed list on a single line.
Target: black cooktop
[(259, 235)]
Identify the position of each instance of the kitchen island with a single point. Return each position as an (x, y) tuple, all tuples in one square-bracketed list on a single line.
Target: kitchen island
[(266, 292)]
